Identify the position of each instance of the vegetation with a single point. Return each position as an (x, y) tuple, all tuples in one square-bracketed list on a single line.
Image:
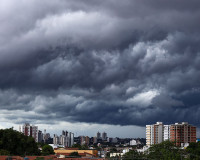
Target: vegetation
[(132, 154), (74, 154), (4, 152), (15, 143), (47, 150), (81, 147), (113, 150), (165, 150), (194, 151)]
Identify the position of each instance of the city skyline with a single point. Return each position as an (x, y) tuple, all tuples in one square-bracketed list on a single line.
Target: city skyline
[(93, 133), (93, 65)]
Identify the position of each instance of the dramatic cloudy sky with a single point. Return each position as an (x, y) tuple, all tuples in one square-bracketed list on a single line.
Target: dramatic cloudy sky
[(107, 65)]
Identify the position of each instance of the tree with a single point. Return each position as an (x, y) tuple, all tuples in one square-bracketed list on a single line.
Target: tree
[(74, 154), (194, 150), (132, 154), (47, 150), (4, 152), (165, 150), (113, 150), (81, 147), (76, 146), (17, 143)]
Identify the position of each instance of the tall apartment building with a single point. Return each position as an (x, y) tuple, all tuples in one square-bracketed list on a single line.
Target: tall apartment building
[(70, 139), (98, 135), (40, 136), (154, 133), (56, 139), (63, 140), (29, 130), (94, 140), (104, 136), (181, 134), (46, 136)]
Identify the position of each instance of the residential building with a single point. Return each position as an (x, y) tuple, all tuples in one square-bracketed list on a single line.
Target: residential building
[(104, 136), (154, 133), (56, 139), (29, 130), (46, 136), (40, 136), (182, 133), (66, 139), (98, 135), (70, 139), (94, 140), (63, 140)]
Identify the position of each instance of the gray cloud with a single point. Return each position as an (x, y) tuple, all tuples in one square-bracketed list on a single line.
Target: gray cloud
[(125, 63)]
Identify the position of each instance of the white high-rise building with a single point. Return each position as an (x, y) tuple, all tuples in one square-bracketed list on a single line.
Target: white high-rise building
[(166, 132), (56, 140), (70, 139), (154, 133), (63, 140)]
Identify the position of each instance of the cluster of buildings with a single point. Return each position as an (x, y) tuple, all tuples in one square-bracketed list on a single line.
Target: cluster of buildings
[(31, 130), (180, 133), (103, 137), (66, 139), (100, 137)]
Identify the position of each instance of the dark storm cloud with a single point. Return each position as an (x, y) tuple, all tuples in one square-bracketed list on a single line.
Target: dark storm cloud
[(126, 62)]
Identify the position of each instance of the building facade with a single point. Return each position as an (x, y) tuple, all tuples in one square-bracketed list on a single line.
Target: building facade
[(179, 133), (85, 140), (66, 139), (29, 130), (56, 139), (166, 132), (104, 136), (182, 133), (98, 135), (154, 133), (40, 136)]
